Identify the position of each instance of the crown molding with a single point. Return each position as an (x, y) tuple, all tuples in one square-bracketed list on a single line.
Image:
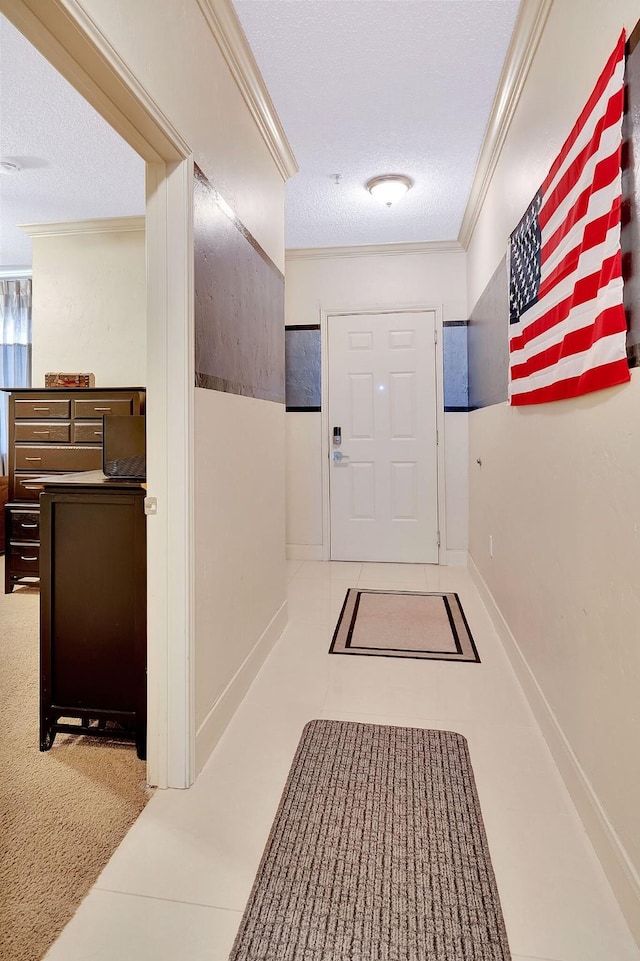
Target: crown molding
[(529, 26), (105, 225), (227, 31), (15, 273), (373, 250)]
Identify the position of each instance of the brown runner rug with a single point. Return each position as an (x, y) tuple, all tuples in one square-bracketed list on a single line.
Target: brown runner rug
[(377, 853), (403, 624)]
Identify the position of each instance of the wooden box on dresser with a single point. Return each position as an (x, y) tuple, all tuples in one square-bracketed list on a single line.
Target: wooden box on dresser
[(51, 430)]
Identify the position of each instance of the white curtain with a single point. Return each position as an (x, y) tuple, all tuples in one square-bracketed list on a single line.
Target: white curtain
[(15, 348)]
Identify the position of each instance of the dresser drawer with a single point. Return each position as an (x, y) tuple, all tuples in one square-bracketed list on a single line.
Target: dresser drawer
[(24, 559), (86, 409), (44, 432), (24, 525), (70, 459), (26, 486), (90, 432), (37, 409)]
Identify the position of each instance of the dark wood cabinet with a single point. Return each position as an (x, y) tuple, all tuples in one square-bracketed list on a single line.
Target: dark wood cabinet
[(93, 608), (51, 430)]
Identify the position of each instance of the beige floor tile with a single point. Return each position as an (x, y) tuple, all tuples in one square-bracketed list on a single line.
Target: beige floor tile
[(120, 927)]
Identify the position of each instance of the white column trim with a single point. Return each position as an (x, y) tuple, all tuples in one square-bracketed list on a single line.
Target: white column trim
[(530, 23), (72, 42)]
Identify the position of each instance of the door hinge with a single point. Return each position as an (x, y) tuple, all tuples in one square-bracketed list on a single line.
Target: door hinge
[(435, 336), (438, 537), (437, 437)]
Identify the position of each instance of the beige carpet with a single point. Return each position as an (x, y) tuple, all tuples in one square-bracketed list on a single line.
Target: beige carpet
[(377, 853), (63, 812), (404, 624)]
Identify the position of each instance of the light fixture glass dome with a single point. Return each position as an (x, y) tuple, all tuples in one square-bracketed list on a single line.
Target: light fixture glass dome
[(389, 187)]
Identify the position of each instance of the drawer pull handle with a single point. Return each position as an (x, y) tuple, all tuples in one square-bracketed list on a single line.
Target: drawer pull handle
[(102, 408), (42, 408), (98, 433), (28, 527), (33, 487), (41, 431), (23, 558), (33, 458)]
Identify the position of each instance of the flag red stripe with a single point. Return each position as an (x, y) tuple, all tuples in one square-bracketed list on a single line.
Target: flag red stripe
[(610, 321), (575, 172), (608, 375), (586, 289), (604, 174), (598, 91), (594, 234)]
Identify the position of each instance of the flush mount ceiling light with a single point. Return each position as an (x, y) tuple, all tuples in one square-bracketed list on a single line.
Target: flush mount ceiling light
[(8, 167), (389, 187)]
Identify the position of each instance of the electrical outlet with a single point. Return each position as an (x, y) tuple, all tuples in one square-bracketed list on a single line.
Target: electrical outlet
[(490, 545)]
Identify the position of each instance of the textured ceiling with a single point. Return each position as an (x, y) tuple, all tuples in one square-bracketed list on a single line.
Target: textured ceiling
[(367, 87), (363, 87), (74, 165)]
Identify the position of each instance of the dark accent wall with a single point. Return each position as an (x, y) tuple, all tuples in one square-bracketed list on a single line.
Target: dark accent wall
[(631, 198), (455, 364), (302, 368), (239, 303), (489, 343)]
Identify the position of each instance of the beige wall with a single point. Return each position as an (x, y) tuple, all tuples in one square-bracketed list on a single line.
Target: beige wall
[(240, 552), (558, 489), (89, 304), (369, 280)]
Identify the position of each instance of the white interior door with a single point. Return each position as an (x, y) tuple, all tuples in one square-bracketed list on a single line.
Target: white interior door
[(383, 473)]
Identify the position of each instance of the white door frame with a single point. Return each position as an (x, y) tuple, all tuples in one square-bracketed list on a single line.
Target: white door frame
[(326, 314), (64, 34)]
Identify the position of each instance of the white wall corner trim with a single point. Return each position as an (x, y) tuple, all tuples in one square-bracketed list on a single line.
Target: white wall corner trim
[(104, 225), (213, 726), (621, 874), (225, 27), (530, 23), (374, 250)]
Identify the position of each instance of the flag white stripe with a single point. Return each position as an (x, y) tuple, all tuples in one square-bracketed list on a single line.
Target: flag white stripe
[(599, 204), (605, 351), (590, 261), (594, 117), (610, 143), (579, 317)]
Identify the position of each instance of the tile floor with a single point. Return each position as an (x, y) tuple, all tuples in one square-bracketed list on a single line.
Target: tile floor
[(177, 885)]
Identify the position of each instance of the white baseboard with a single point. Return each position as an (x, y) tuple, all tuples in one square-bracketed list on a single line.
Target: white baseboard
[(622, 876), (304, 552), (213, 726), (457, 558)]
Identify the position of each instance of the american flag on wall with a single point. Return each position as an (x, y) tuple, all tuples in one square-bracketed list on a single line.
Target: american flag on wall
[(567, 333)]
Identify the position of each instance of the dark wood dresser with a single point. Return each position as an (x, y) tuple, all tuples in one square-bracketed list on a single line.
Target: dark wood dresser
[(93, 608), (51, 430)]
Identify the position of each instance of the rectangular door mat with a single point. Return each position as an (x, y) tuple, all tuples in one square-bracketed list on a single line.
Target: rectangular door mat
[(403, 624), (377, 853)]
